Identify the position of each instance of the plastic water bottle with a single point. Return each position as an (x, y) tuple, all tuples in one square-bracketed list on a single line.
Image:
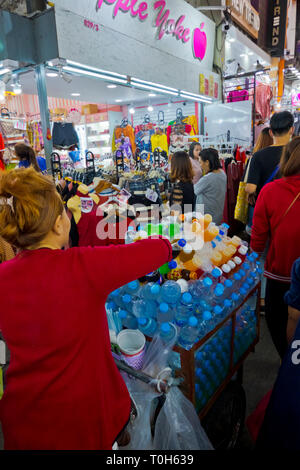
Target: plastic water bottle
[(144, 309), (189, 334), (165, 313), (167, 332), (184, 310), (128, 320), (132, 288), (206, 324), (147, 326), (126, 302), (170, 292), (150, 291)]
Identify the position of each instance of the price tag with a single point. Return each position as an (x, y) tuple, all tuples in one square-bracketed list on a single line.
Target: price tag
[(151, 195)]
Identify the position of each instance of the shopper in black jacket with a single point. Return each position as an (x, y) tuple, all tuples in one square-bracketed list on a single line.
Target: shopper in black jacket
[(182, 195)]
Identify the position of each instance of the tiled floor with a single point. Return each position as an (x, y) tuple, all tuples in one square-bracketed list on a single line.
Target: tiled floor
[(260, 370)]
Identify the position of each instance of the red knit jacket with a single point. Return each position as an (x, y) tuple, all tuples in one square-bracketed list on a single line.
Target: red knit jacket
[(272, 203)]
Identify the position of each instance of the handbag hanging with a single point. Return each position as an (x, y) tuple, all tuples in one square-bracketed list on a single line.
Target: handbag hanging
[(241, 208)]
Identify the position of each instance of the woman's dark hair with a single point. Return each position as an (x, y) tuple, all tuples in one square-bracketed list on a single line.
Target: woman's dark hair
[(181, 168), (264, 140), (290, 160), (24, 152), (192, 148), (211, 155)]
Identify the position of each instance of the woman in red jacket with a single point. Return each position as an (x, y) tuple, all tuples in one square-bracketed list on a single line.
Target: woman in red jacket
[(64, 390), (277, 216)]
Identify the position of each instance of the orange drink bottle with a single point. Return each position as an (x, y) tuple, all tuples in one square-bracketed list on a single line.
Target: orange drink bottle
[(211, 233), (207, 220)]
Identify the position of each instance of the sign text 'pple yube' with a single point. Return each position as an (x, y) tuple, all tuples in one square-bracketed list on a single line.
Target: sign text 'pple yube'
[(164, 23)]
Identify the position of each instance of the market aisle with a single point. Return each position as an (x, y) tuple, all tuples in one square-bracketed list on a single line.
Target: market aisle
[(260, 371)]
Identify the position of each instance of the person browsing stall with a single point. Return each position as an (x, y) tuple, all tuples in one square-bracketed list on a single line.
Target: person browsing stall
[(194, 153), (27, 158), (277, 219), (211, 188), (64, 390), (182, 193)]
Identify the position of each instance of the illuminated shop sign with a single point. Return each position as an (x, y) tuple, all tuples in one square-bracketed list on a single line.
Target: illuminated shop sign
[(244, 14)]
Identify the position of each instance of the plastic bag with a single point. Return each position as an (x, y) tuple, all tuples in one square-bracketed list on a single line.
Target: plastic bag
[(178, 426)]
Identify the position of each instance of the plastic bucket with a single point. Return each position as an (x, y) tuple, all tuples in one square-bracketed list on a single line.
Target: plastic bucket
[(132, 345)]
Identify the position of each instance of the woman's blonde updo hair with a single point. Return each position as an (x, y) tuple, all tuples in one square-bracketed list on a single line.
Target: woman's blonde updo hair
[(29, 207)]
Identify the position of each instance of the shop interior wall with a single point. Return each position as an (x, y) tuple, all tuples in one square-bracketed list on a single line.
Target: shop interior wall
[(169, 110)]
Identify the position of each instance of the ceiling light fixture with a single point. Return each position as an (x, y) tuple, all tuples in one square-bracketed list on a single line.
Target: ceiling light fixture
[(111, 86), (151, 84), (93, 74), (4, 71), (75, 94), (118, 101), (150, 108), (152, 95), (149, 87), (92, 69), (192, 96), (52, 74), (131, 110)]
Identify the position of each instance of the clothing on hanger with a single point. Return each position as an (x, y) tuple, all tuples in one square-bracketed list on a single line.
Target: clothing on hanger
[(237, 95), (264, 95), (159, 141), (64, 135)]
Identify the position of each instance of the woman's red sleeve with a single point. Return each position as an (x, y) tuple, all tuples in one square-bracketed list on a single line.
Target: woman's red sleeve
[(114, 266)]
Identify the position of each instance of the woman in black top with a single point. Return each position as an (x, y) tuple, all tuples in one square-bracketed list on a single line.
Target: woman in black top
[(182, 196)]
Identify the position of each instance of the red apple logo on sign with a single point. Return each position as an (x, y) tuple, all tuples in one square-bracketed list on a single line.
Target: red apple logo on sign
[(199, 43)]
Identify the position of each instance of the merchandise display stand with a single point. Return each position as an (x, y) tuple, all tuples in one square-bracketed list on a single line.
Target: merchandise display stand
[(56, 166)]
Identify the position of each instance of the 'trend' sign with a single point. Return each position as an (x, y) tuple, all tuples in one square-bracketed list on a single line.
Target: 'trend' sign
[(277, 27)]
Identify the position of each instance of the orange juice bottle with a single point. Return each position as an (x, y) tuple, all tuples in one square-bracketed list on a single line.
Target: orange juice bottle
[(207, 220), (216, 258), (211, 232), (227, 253), (236, 241)]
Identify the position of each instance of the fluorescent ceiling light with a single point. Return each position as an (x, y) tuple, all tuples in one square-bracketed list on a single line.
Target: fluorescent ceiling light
[(231, 40), (159, 90), (75, 94), (118, 101), (50, 64), (157, 85), (4, 71), (94, 74), (86, 67), (194, 98), (111, 86), (194, 95), (152, 95), (52, 74)]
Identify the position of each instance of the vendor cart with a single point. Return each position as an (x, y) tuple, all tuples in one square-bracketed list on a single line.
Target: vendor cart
[(211, 372)]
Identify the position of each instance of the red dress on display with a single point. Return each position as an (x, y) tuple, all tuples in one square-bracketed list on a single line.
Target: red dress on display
[(64, 390)]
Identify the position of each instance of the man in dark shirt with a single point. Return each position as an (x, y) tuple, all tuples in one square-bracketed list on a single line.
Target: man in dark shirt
[(264, 163)]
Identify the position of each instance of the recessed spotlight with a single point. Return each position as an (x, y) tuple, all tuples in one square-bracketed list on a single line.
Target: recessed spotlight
[(132, 110), (231, 40), (111, 86), (250, 53), (75, 94), (118, 101), (150, 109), (52, 74), (152, 95), (50, 64)]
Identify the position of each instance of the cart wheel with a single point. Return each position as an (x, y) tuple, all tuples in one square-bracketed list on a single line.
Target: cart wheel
[(225, 420)]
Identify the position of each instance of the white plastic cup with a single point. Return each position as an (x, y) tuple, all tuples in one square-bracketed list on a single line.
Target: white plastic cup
[(132, 346)]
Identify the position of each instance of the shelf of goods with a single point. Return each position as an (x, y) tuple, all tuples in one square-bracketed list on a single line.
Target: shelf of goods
[(206, 299), (95, 136)]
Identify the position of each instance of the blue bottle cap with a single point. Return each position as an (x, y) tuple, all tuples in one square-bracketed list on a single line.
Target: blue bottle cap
[(246, 266), (255, 255), (164, 308), (243, 292), (123, 314), (193, 321), (213, 244), (182, 242), (237, 277), (111, 305), (219, 290), (242, 272), (207, 282), (227, 303), (218, 310), (142, 321), (126, 298), (218, 238), (207, 316), (187, 298), (260, 271), (155, 289), (246, 286), (235, 297), (165, 327), (226, 226), (228, 283), (133, 285), (116, 293), (216, 273), (172, 264), (222, 233)]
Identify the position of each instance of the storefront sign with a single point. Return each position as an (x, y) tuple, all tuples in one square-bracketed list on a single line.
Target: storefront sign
[(277, 27), (164, 23), (245, 15)]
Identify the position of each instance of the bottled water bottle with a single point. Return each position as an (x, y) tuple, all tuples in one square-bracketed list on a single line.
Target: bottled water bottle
[(206, 324), (144, 309), (184, 310), (128, 320), (132, 288), (150, 291), (189, 334), (170, 292), (165, 313), (147, 326), (167, 332), (126, 302)]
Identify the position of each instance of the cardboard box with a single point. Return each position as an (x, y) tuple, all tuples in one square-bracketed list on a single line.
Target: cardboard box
[(89, 109)]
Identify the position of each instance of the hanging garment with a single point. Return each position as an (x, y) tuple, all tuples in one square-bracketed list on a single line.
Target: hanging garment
[(192, 121), (125, 132), (237, 95), (143, 140), (178, 143), (124, 145), (170, 129), (40, 161), (64, 135), (159, 141), (264, 95)]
